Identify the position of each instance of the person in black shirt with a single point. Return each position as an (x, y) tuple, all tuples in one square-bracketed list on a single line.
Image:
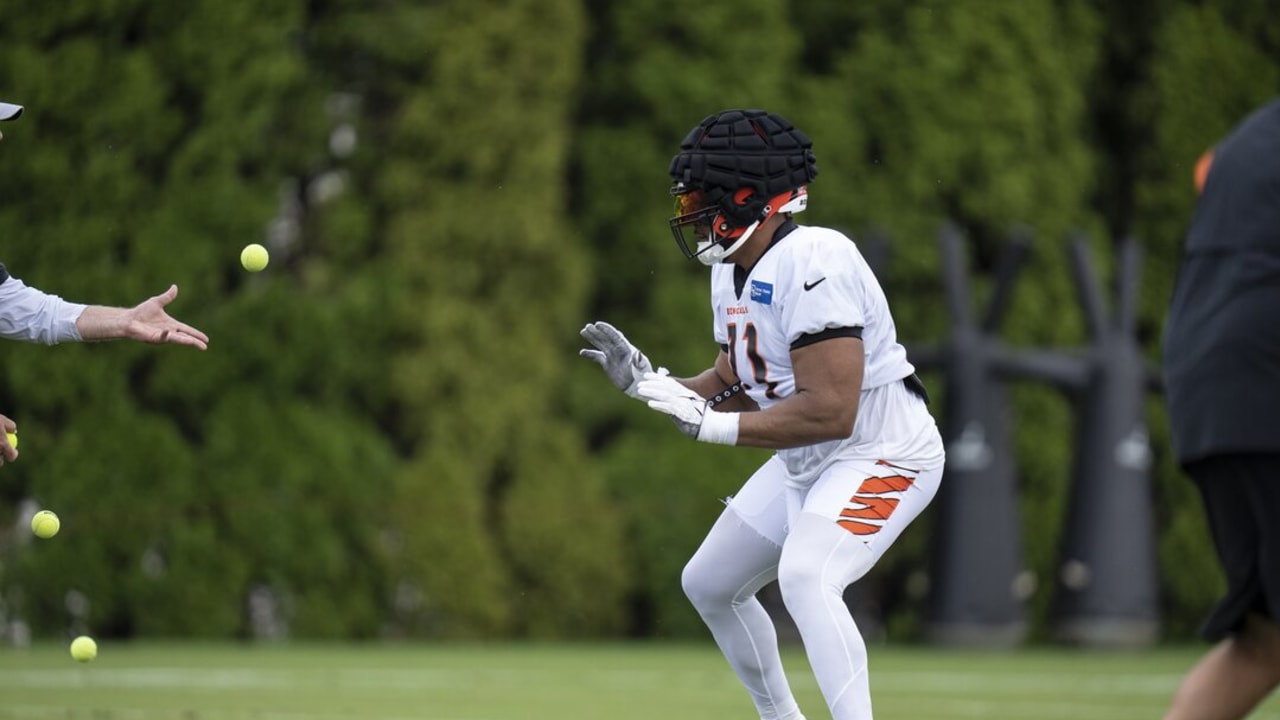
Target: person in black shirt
[(1222, 378)]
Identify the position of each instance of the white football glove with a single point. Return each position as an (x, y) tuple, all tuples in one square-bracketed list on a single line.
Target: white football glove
[(691, 412), (622, 362)]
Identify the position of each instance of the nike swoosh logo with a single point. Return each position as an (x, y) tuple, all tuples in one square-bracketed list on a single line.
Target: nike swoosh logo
[(814, 284)]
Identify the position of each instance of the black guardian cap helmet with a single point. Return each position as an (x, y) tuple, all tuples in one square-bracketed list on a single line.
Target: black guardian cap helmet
[(735, 170)]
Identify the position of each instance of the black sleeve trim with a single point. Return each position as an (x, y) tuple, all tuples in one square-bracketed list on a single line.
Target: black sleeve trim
[(724, 347), (811, 338)]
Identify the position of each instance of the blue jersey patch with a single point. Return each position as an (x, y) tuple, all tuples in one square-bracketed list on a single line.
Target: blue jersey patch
[(762, 292)]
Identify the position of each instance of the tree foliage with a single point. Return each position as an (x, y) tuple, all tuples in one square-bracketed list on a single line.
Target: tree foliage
[(390, 434)]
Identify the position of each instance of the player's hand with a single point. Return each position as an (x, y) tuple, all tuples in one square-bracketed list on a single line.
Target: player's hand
[(8, 453), (622, 362), (148, 322), (665, 394), (690, 411)]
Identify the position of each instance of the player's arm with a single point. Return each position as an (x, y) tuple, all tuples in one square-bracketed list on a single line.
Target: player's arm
[(32, 315), (717, 380), (828, 376)]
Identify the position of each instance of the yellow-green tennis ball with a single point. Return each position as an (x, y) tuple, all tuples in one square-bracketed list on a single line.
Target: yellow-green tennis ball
[(45, 524), (13, 440), (254, 257), (84, 648)]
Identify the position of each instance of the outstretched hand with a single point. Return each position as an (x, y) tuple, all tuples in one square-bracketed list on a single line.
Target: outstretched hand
[(145, 322), (149, 323)]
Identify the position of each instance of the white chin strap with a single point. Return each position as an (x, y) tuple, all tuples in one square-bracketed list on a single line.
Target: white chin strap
[(711, 252)]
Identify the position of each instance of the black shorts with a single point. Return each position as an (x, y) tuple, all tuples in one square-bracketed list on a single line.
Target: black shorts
[(1241, 495)]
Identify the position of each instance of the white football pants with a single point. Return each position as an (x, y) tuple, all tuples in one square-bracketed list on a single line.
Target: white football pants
[(815, 543)]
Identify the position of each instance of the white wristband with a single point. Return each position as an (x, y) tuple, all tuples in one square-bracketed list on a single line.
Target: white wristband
[(720, 428)]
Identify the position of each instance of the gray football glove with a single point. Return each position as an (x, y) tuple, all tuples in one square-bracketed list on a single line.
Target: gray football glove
[(622, 362)]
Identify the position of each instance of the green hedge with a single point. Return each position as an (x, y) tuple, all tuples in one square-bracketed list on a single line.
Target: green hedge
[(391, 434)]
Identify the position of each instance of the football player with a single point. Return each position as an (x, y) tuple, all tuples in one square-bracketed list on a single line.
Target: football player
[(808, 364)]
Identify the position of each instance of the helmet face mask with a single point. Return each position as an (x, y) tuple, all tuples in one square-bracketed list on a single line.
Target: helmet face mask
[(715, 236), (700, 217), (734, 171)]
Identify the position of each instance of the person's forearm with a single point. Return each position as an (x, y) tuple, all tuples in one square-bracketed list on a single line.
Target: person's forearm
[(802, 419), (709, 382), (705, 383), (101, 323), (805, 418)]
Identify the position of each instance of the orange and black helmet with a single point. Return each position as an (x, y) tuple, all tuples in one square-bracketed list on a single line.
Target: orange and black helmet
[(733, 171)]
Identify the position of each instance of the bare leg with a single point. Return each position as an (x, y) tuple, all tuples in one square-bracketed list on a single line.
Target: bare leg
[(1233, 677)]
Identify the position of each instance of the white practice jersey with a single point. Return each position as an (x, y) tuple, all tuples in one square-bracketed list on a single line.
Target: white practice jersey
[(811, 280)]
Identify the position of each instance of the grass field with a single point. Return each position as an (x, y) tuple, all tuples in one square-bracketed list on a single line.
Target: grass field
[(562, 682)]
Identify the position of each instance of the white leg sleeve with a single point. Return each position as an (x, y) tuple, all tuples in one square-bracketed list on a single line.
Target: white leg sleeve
[(819, 560), (849, 518), (721, 580)]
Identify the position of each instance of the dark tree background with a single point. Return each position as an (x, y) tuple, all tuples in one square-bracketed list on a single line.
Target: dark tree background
[(391, 434)]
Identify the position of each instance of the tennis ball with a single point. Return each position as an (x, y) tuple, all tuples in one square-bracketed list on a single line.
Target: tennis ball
[(13, 440), (84, 648), (254, 257), (45, 524)]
